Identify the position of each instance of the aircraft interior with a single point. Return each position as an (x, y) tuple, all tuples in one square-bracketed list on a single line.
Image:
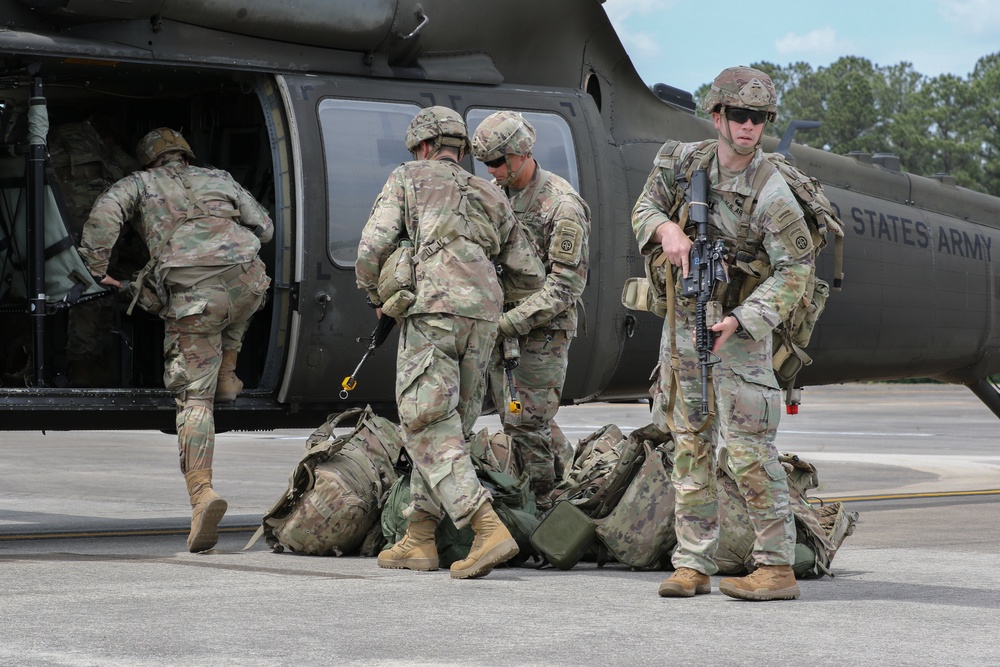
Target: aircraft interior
[(218, 112)]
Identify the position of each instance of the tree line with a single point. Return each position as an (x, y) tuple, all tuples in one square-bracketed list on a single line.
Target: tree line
[(936, 125)]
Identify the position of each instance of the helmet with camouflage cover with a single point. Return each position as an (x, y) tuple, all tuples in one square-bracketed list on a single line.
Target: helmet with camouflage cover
[(440, 125), (158, 142), (502, 133), (744, 87)]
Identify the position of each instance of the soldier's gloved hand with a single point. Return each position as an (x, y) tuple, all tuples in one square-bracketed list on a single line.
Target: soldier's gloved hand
[(507, 329)]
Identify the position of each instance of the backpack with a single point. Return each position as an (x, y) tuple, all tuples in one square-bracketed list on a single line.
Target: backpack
[(793, 334), (604, 465), (605, 472), (337, 489), (639, 532)]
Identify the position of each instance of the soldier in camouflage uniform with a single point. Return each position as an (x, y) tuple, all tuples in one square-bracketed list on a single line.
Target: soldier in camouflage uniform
[(460, 226), (741, 101), (557, 220), (204, 232)]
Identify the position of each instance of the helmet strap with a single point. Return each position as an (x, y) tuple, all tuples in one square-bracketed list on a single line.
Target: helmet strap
[(511, 174)]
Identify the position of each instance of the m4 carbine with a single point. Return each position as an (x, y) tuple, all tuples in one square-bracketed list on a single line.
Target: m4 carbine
[(706, 270)]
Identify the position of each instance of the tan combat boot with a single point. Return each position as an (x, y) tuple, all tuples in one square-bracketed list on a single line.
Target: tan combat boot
[(493, 545), (685, 583), (208, 510), (416, 551), (768, 582), (229, 385)]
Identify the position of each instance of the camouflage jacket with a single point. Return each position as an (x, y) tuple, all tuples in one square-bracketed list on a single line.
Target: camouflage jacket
[(219, 224), (776, 221), (430, 202), (557, 220)]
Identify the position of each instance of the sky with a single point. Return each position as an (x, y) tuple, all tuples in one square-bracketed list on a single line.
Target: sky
[(686, 43)]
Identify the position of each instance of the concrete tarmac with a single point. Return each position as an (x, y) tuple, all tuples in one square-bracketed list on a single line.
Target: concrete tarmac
[(94, 569)]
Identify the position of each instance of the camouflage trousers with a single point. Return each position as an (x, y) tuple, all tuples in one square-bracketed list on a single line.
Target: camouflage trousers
[(542, 449), (747, 410), (440, 381), (200, 322)]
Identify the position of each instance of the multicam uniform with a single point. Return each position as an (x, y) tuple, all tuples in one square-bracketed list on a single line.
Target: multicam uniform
[(449, 331), (746, 391), (557, 220), (208, 269)]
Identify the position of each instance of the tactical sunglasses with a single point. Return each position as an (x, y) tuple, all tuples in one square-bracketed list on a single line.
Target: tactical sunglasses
[(493, 164), (741, 115)]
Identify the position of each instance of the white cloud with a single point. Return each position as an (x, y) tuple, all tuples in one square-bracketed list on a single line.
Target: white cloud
[(973, 17), (822, 42), (620, 10), (624, 15)]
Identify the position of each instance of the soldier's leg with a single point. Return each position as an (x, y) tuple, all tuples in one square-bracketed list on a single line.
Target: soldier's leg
[(428, 393), (539, 380), (696, 519), (750, 414), (192, 355), (246, 293)]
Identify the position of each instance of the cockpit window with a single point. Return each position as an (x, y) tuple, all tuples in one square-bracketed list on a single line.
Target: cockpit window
[(553, 143), (363, 143)]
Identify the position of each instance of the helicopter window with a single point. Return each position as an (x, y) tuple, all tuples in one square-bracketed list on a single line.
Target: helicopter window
[(553, 149), (363, 143)]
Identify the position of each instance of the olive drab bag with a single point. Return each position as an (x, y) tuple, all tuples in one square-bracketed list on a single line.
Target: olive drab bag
[(337, 490), (494, 461), (749, 265), (604, 468)]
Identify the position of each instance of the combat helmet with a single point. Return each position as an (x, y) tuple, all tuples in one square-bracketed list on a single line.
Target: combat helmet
[(159, 141), (744, 87), (501, 134), (441, 125)]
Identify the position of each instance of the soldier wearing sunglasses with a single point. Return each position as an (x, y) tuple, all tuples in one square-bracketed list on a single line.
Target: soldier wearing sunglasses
[(743, 417)]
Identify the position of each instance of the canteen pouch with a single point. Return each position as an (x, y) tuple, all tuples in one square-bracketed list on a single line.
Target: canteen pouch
[(398, 303), (397, 272), (639, 294), (564, 535), (140, 292)]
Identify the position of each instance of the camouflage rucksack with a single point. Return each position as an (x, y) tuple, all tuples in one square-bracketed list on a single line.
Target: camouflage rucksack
[(604, 465), (639, 532), (336, 491)]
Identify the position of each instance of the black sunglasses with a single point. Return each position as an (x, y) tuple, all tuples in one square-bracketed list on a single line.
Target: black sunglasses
[(741, 115), (493, 164)]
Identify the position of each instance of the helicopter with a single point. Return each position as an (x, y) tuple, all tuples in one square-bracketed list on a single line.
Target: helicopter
[(307, 107)]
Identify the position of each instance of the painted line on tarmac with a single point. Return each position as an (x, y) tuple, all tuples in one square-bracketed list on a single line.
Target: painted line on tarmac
[(253, 528), (138, 532), (908, 496)]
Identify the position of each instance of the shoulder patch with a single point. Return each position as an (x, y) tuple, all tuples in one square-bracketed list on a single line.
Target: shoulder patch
[(668, 154), (785, 219), (567, 242)]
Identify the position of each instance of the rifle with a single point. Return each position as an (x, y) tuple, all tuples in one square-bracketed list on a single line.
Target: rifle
[(706, 270), (378, 336)]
